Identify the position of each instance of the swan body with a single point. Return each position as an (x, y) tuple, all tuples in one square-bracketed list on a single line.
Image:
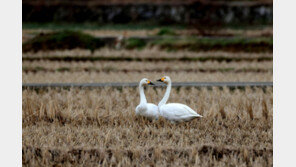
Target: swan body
[(177, 112), (145, 109), (174, 112), (148, 110)]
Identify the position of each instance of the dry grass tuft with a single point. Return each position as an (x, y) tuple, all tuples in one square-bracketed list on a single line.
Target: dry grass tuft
[(250, 110)]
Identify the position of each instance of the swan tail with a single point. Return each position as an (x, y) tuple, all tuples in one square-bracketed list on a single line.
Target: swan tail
[(197, 115), (194, 113)]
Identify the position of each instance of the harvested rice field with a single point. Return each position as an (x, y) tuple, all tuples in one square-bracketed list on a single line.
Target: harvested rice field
[(99, 127), (98, 77), (212, 67), (143, 53), (83, 127)]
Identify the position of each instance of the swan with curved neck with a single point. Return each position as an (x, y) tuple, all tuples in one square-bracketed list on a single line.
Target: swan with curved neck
[(145, 109), (174, 111)]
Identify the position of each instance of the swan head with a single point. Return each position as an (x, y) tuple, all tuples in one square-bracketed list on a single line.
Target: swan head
[(146, 81), (165, 79)]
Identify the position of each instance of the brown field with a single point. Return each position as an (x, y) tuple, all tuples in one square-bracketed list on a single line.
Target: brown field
[(95, 77), (109, 71), (83, 127), (98, 127), (41, 71), (144, 53), (161, 66)]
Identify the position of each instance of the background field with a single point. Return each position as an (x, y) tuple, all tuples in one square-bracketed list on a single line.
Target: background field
[(90, 127), (121, 41), (182, 66)]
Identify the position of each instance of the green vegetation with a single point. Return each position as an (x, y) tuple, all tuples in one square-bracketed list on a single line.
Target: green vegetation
[(208, 44), (133, 43), (63, 40), (63, 69), (235, 44), (75, 39), (35, 69), (166, 32)]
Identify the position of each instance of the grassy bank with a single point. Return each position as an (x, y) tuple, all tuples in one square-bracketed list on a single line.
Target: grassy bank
[(75, 39)]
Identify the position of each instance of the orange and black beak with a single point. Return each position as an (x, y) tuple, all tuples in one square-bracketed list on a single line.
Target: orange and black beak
[(150, 83), (161, 80)]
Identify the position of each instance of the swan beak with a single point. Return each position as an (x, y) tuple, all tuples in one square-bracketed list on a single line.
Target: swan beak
[(150, 83), (159, 80)]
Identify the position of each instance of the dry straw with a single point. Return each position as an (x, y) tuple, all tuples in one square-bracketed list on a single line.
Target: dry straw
[(85, 127)]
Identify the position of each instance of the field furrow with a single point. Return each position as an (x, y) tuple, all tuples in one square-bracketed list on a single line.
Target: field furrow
[(99, 77), (125, 66), (143, 53)]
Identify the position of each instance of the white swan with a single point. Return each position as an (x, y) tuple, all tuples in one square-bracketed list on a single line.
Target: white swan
[(145, 109), (174, 111)]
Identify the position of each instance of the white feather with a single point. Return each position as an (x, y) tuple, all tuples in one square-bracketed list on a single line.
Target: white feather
[(145, 109), (174, 111)]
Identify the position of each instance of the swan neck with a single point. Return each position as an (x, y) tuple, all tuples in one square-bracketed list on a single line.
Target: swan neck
[(166, 95), (142, 95)]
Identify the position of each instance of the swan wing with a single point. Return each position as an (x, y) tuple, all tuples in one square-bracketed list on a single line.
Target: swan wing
[(152, 108), (189, 110), (150, 112), (141, 109), (178, 111)]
